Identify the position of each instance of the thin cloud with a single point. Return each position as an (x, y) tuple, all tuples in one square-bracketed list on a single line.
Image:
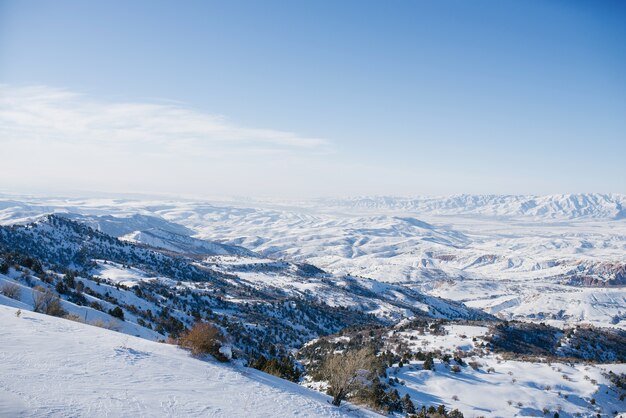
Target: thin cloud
[(40, 113), (56, 139)]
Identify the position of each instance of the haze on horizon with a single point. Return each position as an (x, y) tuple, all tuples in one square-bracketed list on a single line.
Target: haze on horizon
[(302, 99)]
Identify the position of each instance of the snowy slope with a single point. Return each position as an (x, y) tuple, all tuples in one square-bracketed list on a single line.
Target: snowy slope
[(183, 244), (490, 386), (54, 367), (468, 376), (513, 389), (156, 232)]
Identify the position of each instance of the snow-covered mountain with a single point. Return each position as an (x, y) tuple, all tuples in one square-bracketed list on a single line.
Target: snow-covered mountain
[(301, 283), (184, 244), (557, 258), (156, 232), (560, 270), (563, 206), (251, 296)]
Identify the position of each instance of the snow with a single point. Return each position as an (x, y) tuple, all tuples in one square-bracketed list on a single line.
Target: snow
[(459, 337), (513, 389), (85, 313), (54, 367), (500, 387), (127, 276)]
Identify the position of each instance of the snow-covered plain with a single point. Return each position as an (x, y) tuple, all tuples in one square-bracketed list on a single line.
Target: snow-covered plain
[(55, 367)]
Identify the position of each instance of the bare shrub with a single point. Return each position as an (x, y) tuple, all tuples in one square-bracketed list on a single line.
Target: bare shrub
[(47, 302), (11, 290), (347, 372), (203, 338), (111, 325), (75, 318), (474, 365)]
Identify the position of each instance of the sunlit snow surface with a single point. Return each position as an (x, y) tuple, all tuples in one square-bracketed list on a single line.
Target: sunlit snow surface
[(55, 367), (491, 386)]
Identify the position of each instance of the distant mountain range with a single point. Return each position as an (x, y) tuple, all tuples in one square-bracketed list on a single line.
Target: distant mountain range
[(562, 206)]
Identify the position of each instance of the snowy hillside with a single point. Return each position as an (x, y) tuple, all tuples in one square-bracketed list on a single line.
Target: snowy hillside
[(156, 232), (465, 374), (167, 291), (54, 367)]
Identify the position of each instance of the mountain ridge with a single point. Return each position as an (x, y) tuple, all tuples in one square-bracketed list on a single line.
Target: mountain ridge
[(557, 206)]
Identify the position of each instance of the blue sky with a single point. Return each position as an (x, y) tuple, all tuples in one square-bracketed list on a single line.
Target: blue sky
[(314, 98)]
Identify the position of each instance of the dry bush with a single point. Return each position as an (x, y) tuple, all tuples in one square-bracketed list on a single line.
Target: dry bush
[(47, 302), (75, 318), (474, 364), (110, 325), (348, 372), (203, 338), (11, 290)]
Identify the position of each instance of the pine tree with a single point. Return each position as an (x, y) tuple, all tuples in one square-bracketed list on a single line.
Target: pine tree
[(117, 312), (429, 363), (395, 403), (407, 404)]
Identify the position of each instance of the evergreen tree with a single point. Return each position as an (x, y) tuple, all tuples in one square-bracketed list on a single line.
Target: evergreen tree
[(395, 403), (117, 312), (429, 364), (61, 288), (407, 404)]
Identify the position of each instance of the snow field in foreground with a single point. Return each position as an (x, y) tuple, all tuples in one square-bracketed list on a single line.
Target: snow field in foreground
[(55, 367)]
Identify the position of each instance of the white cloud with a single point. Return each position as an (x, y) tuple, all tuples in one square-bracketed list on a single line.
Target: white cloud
[(45, 114), (55, 140), (60, 140)]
